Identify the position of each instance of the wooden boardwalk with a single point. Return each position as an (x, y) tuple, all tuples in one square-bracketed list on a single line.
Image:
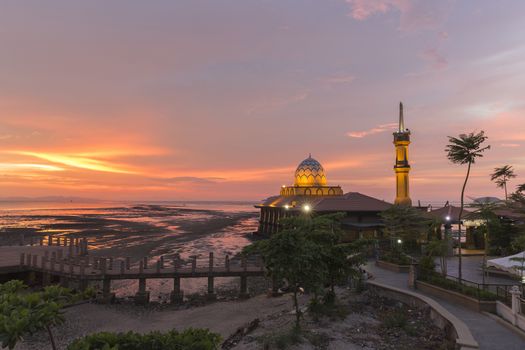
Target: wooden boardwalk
[(69, 261)]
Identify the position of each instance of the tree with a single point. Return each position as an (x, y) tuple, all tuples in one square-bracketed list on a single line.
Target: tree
[(501, 176), (309, 253), (439, 247), (342, 259), (405, 223), (291, 256), (464, 150), (24, 313), (520, 188), (485, 211)]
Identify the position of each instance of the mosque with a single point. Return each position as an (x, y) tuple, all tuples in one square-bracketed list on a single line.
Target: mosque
[(311, 192)]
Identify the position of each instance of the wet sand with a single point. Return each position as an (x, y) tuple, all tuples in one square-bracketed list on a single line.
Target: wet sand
[(141, 230)]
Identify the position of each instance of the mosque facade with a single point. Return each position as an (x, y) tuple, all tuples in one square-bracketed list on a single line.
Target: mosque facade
[(311, 193)]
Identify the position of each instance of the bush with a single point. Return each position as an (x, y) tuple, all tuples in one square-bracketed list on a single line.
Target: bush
[(328, 307), (190, 339), (455, 286), (396, 257), (283, 339), (427, 265), (399, 319)]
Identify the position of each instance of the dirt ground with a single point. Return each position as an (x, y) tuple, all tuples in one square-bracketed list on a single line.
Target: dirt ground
[(362, 321)]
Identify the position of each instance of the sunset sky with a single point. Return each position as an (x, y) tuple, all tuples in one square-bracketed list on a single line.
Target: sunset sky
[(209, 100)]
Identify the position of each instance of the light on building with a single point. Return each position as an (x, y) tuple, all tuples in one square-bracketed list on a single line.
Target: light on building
[(399, 241), (306, 208), (286, 206)]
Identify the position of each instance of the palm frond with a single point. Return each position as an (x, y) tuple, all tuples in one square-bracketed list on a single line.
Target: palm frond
[(466, 148)]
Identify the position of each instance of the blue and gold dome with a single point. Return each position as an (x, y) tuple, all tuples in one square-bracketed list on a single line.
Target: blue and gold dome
[(310, 173)]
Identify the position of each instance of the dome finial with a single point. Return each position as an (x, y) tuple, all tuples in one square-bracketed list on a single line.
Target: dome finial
[(309, 155)]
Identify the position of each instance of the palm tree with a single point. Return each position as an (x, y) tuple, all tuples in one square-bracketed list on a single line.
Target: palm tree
[(464, 150), (485, 210), (501, 176), (520, 188)]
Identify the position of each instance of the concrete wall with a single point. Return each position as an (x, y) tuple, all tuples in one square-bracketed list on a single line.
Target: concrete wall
[(505, 312)]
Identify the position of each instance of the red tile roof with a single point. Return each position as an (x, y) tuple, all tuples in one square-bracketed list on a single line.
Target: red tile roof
[(351, 201)]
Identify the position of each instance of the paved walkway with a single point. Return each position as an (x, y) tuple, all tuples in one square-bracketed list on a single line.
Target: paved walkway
[(489, 334)]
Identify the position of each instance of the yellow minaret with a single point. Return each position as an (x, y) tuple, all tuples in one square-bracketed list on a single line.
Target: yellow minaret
[(402, 168)]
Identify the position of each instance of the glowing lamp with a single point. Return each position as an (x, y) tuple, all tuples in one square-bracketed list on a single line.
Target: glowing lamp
[(286, 206), (399, 241), (306, 208), (447, 217)]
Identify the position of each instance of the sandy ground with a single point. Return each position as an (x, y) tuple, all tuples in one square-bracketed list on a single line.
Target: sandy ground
[(221, 317), (360, 328)]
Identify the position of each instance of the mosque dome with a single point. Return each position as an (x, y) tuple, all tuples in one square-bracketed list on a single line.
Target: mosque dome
[(310, 173)]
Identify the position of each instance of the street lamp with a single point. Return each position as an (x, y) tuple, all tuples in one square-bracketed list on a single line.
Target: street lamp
[(306, 208), (399, 241)]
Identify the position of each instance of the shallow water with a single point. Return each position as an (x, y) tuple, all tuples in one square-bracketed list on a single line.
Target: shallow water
[(140, 229)]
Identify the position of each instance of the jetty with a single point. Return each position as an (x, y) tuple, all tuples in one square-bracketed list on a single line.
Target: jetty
[(66, 261)]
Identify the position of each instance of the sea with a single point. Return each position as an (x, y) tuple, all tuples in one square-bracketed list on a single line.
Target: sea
[(138, 229)]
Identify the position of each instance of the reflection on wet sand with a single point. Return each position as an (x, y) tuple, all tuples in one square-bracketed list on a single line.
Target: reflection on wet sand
[(141, 230)]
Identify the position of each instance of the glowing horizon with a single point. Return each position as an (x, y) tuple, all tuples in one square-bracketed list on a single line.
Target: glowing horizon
[(171, 101)]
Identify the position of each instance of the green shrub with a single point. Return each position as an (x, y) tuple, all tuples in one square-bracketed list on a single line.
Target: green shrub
[(399, 319), (396, 257), (190, 339), (395, 319), (283, 339), (455, 286), (328, 307), (427, 264)]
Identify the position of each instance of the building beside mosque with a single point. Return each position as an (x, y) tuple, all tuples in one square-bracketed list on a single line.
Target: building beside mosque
[(311, 192)]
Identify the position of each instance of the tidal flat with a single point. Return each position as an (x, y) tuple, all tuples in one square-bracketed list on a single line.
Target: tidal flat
[(139, 230)]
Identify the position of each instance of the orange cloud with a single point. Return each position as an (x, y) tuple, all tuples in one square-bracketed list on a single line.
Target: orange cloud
[(76, 161), (378, 129), (27, 166)]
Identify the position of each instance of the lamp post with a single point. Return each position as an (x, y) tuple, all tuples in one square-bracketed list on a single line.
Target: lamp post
[(448, 233)]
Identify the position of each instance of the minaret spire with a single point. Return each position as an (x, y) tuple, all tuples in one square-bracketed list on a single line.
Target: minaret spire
[(402, 167), (401, 120)]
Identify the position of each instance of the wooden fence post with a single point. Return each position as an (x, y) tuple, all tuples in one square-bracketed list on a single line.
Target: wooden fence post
[(193, 264), (210, 266)]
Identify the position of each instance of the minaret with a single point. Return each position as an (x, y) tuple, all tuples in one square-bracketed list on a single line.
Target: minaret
[(402, 168)]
